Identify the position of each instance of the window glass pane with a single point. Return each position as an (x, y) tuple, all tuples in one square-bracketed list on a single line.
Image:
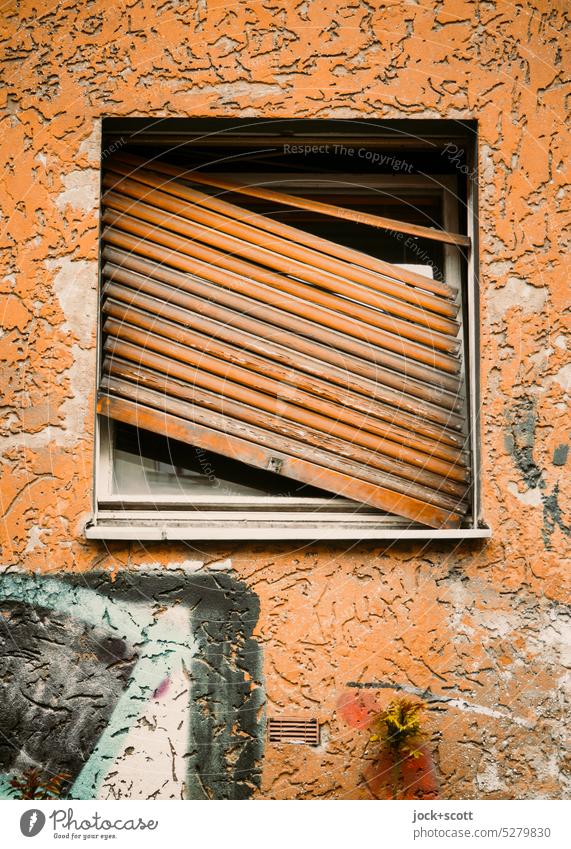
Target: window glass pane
[(147, 464)]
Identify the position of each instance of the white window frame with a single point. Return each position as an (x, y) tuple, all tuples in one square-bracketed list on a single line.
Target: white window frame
[(224, 517)]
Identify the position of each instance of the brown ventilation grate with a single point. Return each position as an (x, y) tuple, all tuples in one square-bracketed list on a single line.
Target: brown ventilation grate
[(288, 730)]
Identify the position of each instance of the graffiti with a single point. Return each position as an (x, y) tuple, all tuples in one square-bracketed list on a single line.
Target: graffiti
[(520, 442), (148, 686)]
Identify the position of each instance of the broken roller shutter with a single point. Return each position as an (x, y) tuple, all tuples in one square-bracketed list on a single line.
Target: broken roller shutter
[(244, 336)]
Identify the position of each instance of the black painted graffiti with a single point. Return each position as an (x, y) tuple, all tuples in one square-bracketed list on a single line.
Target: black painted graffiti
[(78, 657), (59, 682), (520, 442)]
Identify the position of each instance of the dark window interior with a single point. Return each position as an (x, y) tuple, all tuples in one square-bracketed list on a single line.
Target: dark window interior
[(145, 462)]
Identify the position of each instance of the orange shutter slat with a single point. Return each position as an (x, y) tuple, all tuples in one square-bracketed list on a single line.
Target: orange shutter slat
[(273, 352)]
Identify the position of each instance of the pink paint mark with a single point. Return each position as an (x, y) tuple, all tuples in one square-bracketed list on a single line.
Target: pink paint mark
[(357, 708), (419, 776), (161, 689), (390, 776)]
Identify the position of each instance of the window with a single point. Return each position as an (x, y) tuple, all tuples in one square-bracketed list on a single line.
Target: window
[(288, 332)]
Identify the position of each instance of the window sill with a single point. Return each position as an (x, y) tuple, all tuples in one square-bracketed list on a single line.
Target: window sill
[(269, 526)]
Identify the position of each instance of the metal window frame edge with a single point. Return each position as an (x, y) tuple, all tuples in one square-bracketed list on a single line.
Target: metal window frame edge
[(255, 530), (200, 526)]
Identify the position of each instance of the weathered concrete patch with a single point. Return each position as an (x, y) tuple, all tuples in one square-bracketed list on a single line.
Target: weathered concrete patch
[(75, 285), (81, 386), (563, 378), (518, 294), (81, 190), (532, 497), (90, 147)]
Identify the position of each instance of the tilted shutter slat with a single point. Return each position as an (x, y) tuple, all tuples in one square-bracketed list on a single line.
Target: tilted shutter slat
[(281, 433), (285, 352), (306, 203), (233, 385), (162, 264), (277, 252), (251, 448), (227, 326), (280, 290)]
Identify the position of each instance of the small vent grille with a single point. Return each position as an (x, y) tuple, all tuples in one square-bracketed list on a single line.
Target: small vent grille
[(288, 730)]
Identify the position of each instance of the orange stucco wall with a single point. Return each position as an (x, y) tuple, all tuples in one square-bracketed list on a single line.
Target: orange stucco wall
[(481, 626)]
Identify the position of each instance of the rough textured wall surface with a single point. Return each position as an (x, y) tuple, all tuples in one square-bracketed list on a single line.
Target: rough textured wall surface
[(482, 628)]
